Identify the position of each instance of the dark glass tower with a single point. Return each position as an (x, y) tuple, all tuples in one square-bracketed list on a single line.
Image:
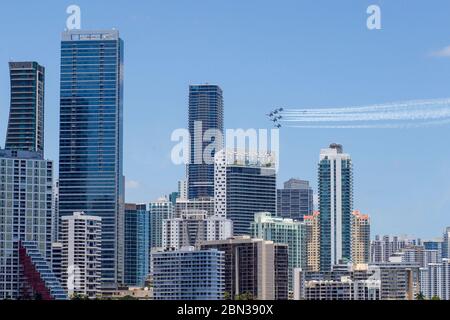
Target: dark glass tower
[(205, 113), (91, 130), (250, 189), (26, 117), (137, 244), (336, 206), (296, 200)]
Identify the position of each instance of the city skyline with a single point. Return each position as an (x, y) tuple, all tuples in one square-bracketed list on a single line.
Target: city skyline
[(395, 206)]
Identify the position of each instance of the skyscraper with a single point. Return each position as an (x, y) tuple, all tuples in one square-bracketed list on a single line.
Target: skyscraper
[(255, 268), (285, 231), (26, 117), (159, 211), (26, 199), (312, 224), (446, 244), (384, 247), (25, 216), (91, 133), (205, 113), (137, 244), (296, 200), (434, 280), (360, 238), (245, 185), (81, 254), (335, 206), (182, 190)]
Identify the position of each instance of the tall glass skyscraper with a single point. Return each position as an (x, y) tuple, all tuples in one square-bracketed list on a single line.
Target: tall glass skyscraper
[(91, 133), (26, 117), (137, 238), (205, 113), (335, 206)]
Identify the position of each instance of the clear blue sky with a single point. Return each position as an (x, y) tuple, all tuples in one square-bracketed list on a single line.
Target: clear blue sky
[(264, 54)]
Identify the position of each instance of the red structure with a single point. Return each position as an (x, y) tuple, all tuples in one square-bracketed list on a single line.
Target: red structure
[(33, 286)]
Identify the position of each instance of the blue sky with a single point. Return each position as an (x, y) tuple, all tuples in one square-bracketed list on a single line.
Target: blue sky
[(265, 54)]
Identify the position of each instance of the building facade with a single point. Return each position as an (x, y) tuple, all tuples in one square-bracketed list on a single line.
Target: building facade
[(384, 247), (254, 268), (26, 181), (446, 244), (194, 227), (203, 204), (312, 231), (283, 231), (296, 200), (360, 238), (158, 212), (351, 282), (91, 139), (26, 117), (137, 244), (182, 190), (188, 274), (434, 280), (81, 238), (244, 187), (335, 206), (435, 245), (205, 114), (399, 281)]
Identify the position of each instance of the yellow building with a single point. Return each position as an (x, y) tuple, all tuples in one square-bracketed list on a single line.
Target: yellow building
[(360, 238), (313, 242)]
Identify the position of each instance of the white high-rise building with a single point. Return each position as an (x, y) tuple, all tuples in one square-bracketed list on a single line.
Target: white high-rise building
[(384, 247), (26, 181), (220, 184), (159, 211), (193, 227), (335, 206), (435, 280), (206, 204), (81, 237), (182, 190)]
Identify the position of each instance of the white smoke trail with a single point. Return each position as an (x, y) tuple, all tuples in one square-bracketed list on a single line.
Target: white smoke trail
[(394, 106), (374, 126), (421, 112)]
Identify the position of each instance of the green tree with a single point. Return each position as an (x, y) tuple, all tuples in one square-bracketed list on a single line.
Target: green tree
[(420, 296), (436, 298), (77, 296), (247, 296)]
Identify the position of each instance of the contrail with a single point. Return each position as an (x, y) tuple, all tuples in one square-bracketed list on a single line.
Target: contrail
[(394, 106), (409, 114), (373, 126)]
